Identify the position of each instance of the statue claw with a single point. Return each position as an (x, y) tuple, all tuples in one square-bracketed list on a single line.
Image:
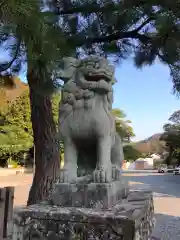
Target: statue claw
[(116, 173), (102, 176), (66, 176)]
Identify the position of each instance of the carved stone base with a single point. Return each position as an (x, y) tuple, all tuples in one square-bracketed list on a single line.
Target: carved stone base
[(114, 173), (66, 176), (89, 195), (132, 219)]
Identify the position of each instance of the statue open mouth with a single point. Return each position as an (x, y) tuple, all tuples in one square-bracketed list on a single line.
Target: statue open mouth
[(96, 68), (97, 76)]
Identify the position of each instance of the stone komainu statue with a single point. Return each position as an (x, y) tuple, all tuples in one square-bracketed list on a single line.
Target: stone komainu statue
[(86, 124)]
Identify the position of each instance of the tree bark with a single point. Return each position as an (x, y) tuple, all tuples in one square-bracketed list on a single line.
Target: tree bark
[(47, 153)]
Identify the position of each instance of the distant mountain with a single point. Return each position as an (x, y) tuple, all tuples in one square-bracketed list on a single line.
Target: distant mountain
[(152, 144), (154, 137)]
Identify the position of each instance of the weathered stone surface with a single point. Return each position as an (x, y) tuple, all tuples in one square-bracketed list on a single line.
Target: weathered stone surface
[(91, 195), (86, 124), (132, 219), (99, 206)]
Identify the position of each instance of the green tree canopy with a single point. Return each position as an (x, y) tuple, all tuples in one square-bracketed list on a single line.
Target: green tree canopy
[(15, 124), (56, 98), (13, 139), (18, 112), (130, 153), (122, 125), (171, 136), (15, 127)]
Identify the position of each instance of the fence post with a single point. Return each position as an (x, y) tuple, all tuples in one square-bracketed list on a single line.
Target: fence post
[(8, 212), (2, 210)]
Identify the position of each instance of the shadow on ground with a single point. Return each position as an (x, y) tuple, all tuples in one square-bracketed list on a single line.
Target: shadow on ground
[(166, 185)]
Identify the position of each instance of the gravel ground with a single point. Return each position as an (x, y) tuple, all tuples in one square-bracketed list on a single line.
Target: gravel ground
[(166, 190)]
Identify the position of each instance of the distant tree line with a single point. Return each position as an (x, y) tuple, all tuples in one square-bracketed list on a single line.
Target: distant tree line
[(16, 135), (171, 137)]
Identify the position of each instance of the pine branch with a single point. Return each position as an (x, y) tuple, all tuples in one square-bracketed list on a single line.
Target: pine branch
[(88, 9), (134, 34), (148, 20), (2, 3), (4, 67)]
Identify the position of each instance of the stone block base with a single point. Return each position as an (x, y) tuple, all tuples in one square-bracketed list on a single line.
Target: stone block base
[(89, 195), (132, 219)]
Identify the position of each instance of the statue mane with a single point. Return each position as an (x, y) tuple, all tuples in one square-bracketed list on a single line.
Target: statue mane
[(85, 119), (91, 76)]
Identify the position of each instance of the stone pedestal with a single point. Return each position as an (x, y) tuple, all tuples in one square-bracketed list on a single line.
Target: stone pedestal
[(89, 195), (130, 219)]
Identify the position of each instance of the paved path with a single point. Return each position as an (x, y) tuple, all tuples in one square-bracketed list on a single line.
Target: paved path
[(166, 190), (22, 185)]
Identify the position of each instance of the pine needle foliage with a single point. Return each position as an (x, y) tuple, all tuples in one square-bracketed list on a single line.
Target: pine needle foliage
[(45, 31)]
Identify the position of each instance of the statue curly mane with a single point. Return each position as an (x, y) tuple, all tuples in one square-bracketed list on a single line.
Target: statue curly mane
[(92, 76), (85, 110)]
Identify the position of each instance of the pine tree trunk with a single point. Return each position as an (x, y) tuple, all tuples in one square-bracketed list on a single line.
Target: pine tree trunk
[(47, 153)]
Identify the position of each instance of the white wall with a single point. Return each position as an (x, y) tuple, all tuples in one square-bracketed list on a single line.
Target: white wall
[(148, 163), (155, 157), (130, 165)]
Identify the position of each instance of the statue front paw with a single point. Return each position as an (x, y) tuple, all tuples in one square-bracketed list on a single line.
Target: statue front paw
[(102, 176), (116, 173), (104, 86), (66, 176), (63, 176)]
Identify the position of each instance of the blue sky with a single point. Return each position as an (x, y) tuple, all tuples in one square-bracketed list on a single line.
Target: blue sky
[(145, 96)]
